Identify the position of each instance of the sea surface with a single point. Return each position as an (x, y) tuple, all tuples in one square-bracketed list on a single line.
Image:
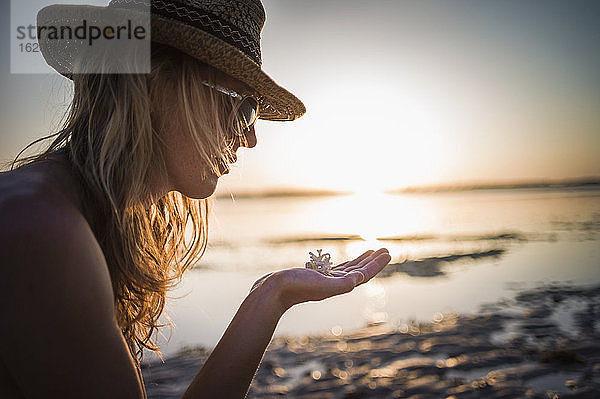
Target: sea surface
[(453, 251)]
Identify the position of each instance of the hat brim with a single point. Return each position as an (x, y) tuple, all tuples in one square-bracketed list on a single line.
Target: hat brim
[(277, 103)]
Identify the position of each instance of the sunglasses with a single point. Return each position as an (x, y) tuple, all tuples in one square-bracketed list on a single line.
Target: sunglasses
[(247, 111)]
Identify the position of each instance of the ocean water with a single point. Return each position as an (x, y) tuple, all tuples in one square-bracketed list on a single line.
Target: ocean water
[(451, 252)]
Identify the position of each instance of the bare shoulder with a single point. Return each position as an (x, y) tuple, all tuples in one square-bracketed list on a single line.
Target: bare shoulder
[(32, 201), (63, 339), (43, 234)]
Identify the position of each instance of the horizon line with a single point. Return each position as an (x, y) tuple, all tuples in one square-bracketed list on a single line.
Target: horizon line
[(444, 187)]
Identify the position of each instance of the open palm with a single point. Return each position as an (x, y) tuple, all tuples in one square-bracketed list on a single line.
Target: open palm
[(299, 285)]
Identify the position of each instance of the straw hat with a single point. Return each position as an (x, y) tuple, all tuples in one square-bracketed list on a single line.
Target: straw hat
[(222, 33)]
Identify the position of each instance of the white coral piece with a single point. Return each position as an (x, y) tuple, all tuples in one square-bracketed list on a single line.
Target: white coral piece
[(319, 262)]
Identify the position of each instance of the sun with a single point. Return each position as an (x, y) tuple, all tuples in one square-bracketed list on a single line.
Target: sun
[(377, 137)]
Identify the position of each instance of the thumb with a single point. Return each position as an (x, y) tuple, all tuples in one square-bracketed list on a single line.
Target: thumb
[(338, 286), (358, 277)]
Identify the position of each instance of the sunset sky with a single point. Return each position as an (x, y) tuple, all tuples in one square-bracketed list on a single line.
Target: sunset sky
[(398, 93)]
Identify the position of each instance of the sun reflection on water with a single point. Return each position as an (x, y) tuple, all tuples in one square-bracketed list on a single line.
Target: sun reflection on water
[(374, 311), (371, 215)]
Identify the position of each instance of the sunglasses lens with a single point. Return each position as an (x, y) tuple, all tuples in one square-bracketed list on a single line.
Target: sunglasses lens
[(247, 113)]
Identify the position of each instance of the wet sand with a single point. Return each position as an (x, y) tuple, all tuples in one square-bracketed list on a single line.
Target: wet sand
[(544, 343)]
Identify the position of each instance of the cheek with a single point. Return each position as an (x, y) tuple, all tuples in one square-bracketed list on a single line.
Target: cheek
[(187, 171)]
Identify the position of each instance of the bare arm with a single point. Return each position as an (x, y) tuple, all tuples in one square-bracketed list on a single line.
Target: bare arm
[(231, 366)]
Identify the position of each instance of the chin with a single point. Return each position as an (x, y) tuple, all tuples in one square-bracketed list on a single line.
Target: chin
[(201, 190)]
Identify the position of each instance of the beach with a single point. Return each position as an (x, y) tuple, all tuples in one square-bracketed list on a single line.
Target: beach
[(519, 348)]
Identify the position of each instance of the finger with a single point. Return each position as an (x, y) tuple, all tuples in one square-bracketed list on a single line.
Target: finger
[(368, 259), (375, 266), (370, 270), (364, 259), (342, 284), (341, 265), (337, 273), (354, 261)]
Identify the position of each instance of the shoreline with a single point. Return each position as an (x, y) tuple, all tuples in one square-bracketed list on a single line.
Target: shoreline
[(544, 343)]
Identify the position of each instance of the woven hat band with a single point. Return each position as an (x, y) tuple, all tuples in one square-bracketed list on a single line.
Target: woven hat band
[(201, 19)]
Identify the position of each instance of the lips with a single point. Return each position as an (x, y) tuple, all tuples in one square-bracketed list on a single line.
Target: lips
[(224, 164)]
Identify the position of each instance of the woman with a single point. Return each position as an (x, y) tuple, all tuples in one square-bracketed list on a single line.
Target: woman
[(92, 228)]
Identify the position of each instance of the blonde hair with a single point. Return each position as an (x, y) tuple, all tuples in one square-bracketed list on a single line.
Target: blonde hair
[(111, 137)]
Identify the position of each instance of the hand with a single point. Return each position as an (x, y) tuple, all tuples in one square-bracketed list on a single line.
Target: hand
[(297, 285)]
